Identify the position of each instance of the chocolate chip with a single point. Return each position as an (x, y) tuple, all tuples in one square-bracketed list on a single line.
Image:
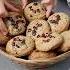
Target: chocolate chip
[(31, 16), (50, 36), (17, 46), (23, 42), (38, 36), (20, 21), (16, 26), (14, 39), (39, 25), (58, 17), (34, 11), (53, 36), (29, 30), (38, 10), (43, 35), (13, 44), (18, 16), (20, 40), (10, 18), (13, 23), (54, 21), (46, 40), (30, 7), (35, 4), (43, 9), (35, 28), (33, 32)]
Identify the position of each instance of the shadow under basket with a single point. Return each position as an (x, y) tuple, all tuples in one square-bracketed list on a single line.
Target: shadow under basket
[(35, 64)]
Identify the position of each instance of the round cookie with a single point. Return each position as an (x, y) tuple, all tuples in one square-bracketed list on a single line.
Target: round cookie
[(48, 41), (15, 23), (66, 44), (59, 22), (20, 46), (37, 55), (37, 28), (3, 39), (34, 11)]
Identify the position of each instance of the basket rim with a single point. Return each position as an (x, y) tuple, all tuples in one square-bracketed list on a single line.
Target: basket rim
[(51, 60)]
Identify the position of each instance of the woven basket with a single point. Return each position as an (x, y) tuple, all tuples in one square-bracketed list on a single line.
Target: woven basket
[(35, 64)]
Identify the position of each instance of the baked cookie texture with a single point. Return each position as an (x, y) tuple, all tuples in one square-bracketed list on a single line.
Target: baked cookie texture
[(20, 46), (37, 28), (48, 41), (37, 55), (34, 11), (15, 23), (3, 39), (59, 22), (66, 44)]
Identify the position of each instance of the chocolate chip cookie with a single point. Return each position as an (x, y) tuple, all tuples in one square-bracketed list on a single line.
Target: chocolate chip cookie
[(20, 46), (3, 39), (34, 11), (48, 41), (66, 44), (37, 55), (15, 23), (37, 28), (59, 22)]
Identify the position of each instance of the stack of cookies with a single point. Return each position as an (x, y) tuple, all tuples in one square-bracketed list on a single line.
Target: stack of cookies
[(34, 37)]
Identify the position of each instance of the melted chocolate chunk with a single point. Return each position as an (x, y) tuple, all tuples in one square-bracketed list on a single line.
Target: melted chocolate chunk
[(35, 28), (38, 10), (46, 40), (29, 30), (38, 36), (35, 4), (33, 32)]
